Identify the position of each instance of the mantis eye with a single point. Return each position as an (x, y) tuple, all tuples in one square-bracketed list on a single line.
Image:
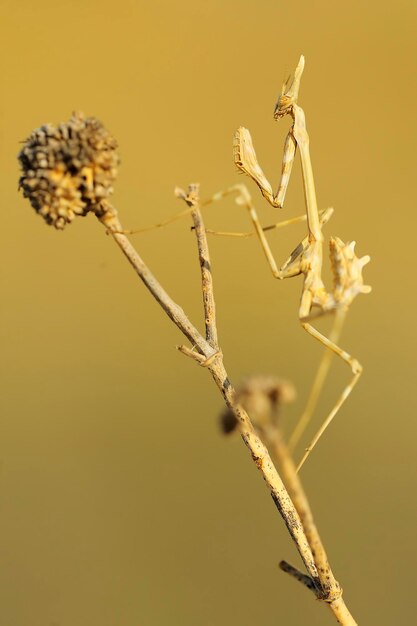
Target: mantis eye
[(282, 107)]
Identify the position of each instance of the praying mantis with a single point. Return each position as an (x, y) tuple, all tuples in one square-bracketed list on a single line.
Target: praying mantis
[(307, 257)]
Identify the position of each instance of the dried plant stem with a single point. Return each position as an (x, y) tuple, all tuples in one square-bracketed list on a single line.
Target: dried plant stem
[(297, 494), (295, 573), (263, 461), (252, 440), (209, 304), (209, 355), (332, 589), (296, 491), (341, 612), (337, 606)]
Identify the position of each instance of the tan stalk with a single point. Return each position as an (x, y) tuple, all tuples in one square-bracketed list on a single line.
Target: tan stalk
[(262, 397)]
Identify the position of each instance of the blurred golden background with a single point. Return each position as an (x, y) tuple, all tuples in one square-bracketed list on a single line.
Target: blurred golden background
[(120, 502)]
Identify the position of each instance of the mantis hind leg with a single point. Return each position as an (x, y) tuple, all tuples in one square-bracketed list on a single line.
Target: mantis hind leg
[(319, 380), (356, 368)]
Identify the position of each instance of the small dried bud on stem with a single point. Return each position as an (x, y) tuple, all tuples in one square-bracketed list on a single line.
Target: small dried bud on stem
[(262, 397)]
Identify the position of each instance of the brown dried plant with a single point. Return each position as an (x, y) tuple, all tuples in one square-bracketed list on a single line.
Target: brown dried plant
[(68, 171)]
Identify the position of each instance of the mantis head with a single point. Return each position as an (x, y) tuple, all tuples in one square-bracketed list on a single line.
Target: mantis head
[(289, 92)]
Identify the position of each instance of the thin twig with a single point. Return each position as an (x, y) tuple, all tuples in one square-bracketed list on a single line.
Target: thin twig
[(337, 606), (192, 198), (198, 357), (264, 463), (295, 573), (262, 396), (297, 494), (191, 353)]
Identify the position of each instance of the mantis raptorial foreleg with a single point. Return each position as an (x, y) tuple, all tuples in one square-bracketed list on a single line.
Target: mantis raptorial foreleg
[(246, 161)]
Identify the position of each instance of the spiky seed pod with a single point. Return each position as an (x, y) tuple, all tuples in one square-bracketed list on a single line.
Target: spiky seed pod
[(69, 169)]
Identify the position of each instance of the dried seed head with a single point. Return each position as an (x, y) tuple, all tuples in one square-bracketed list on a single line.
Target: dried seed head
[(69, 169), (261, 397)]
